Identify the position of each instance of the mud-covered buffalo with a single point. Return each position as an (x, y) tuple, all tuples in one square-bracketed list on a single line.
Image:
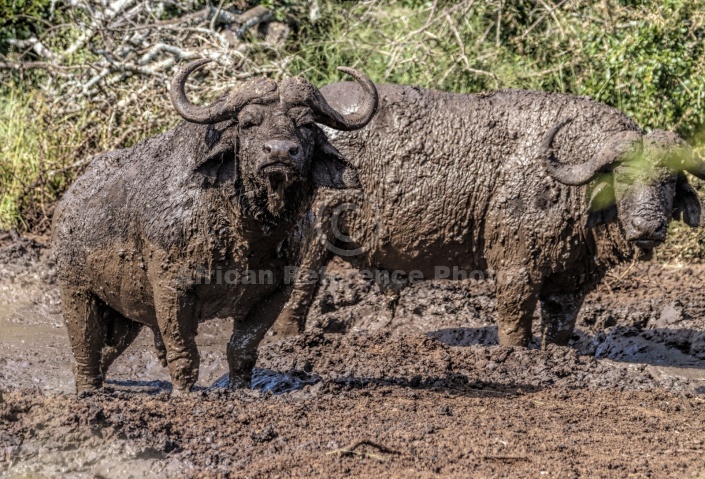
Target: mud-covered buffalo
[(544, 191), (222, 189)]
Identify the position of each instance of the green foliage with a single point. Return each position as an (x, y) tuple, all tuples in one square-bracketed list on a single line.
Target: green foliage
[(652, 69), (27, 155), (645, 58), (22, 19), (41, 152)]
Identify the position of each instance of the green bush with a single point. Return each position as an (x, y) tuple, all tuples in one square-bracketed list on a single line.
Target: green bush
[(22, 19), (36, 153), (645, 58)]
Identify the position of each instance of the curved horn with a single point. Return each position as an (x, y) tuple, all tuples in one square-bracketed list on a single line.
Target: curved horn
[(326, 115), (189, 111), (575, 175), (220, 111), (682, 154)]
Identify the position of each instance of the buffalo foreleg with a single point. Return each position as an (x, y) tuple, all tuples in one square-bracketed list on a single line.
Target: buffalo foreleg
[(178, 324), (517, 295), (248, 332), (292, 319), (316, 252), (83, 315)]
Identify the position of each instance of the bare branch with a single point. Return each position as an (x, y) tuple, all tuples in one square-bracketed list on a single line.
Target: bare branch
[(33, 44)]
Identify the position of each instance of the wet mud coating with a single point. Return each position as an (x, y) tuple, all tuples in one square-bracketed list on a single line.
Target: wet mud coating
[(544, 191), (144, 235), (427, 394)]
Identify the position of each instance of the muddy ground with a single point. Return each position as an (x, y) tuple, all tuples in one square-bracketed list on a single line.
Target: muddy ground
[(425, 394)]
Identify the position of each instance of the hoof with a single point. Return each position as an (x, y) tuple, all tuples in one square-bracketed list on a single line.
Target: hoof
[(240, 382), (514, 338), (88, 386), (289, 324), (286, 326)]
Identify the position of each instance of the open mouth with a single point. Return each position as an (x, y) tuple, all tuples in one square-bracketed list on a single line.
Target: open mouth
[(277, 178), (276, 167)]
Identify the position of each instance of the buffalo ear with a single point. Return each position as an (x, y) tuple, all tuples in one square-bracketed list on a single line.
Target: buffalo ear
[(602, 208), (686, 204), (330, 169), (217, 169), (215, 163)]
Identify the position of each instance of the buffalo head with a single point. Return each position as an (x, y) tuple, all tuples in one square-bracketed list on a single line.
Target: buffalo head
[(264, 134), (639, 179)]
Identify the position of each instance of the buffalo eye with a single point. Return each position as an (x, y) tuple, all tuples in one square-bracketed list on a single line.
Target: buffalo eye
[(302, 117), (250, 119)]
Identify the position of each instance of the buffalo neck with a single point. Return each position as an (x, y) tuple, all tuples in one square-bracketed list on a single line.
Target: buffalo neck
[(253, 232)]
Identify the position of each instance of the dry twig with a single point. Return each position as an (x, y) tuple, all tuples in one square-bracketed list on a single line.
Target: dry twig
[(351, 449)]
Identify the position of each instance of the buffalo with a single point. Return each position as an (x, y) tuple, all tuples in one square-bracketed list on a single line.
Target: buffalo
[(546, 191), (170, 232)]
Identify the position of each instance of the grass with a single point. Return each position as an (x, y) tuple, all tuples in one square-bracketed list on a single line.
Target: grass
[(22, 149), (42, 151), (38, 156)]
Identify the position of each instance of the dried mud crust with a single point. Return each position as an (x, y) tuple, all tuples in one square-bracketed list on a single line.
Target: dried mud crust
[(408, 360), (396, 405), (364, 433)]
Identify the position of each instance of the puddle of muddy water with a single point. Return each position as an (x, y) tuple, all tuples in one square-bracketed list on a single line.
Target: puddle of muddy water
[(35, 354)]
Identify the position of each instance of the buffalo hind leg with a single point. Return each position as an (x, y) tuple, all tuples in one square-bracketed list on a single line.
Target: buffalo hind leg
[(516, 296), (248, 332), (159, 345), (178, 326), (83, 316), (120, 333), (559, 312)]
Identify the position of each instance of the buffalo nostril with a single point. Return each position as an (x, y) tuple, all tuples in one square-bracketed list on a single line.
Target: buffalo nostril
[(281, 149)]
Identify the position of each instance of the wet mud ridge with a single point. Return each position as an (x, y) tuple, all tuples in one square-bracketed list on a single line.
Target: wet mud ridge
[(425, 394)]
